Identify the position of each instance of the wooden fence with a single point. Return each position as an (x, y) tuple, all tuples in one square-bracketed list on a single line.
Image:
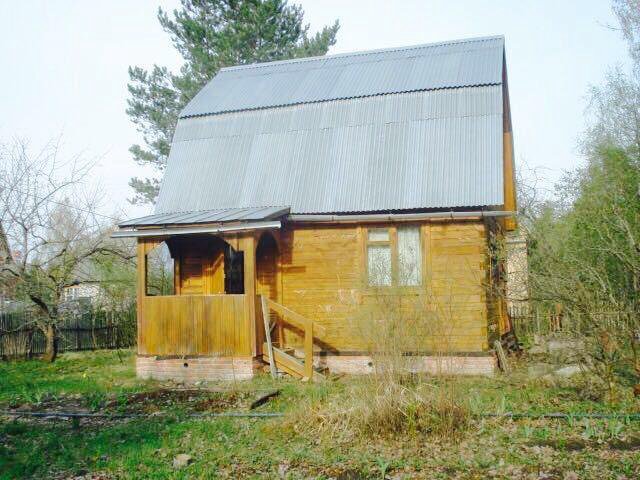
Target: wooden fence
[(528, 321), (86, 330)]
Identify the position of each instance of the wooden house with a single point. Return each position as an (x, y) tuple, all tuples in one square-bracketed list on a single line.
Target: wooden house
[(301, 194)]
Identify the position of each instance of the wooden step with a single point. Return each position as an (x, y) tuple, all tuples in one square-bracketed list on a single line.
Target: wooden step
[(288, 363)]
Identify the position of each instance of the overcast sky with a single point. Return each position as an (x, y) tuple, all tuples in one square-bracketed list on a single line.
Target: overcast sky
[(64, 67)]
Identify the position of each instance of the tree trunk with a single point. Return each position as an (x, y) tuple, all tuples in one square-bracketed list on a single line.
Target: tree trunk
[(51, 346)]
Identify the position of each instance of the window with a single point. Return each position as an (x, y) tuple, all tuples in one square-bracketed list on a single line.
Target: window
[(71, 293), (409, 256), (379, 257), (394, 256)]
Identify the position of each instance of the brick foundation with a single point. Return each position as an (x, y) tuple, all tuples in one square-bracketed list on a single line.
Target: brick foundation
[(435, 365), (196, 369), (244, 368)]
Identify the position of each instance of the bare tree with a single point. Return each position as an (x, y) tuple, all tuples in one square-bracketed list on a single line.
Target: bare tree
[(49, 216), (628, 14)]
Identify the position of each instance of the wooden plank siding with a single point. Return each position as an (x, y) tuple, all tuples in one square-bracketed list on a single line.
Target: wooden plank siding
[(324, 279), (195, 325)]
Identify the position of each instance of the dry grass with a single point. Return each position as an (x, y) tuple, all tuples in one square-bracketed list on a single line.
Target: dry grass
[(369, 409), (394, 399)]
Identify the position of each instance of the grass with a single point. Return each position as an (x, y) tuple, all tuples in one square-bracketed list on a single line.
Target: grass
[(275, 448), (74, 373)]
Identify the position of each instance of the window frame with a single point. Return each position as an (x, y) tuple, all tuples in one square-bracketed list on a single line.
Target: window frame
[(395, 261)]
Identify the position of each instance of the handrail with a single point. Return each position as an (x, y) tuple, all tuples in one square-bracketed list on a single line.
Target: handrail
[(297, 320)]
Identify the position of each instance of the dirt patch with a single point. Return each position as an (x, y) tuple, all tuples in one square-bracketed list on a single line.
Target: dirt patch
[(630, 443), (569, 444), (576, 444), (195, 401), (68, 403), (115, 408)]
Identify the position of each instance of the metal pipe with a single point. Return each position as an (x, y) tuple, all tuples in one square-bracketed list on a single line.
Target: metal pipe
[(158, 232), (138, 415), (391, 217), (512, 415), (561, 416)]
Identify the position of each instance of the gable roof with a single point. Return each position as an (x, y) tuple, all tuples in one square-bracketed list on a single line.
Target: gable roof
[(400, 129), (461, 63)]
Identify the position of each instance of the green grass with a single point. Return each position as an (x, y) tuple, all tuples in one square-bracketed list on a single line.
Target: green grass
[(73, 373), (258, 448)]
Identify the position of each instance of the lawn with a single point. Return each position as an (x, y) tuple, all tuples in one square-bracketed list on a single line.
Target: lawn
[(145, 447)]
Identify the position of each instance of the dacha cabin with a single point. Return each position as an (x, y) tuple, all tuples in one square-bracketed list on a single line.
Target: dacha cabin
[(307, 202)]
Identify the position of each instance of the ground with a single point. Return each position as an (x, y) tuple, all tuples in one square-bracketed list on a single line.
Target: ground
[(146, 447)]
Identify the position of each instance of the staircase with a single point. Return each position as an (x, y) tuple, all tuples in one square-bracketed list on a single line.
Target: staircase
[(284, 360)]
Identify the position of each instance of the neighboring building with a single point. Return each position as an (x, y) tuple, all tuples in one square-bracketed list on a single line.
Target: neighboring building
[(90, 291), (517, 278), (319, 186), (5, 251), (85, 286)]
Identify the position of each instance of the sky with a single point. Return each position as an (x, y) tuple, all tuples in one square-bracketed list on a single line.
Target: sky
[(65, 64)]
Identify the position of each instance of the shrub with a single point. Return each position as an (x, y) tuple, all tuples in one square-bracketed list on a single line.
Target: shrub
[(368, 408)]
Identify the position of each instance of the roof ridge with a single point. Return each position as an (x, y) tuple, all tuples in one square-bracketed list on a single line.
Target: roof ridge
[(361, 53)]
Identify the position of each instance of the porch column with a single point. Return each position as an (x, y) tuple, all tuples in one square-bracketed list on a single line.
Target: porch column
[(140, 287), (248, 245)]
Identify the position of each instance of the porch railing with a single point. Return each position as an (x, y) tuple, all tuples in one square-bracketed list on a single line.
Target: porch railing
[(307, 326), (192, 325)]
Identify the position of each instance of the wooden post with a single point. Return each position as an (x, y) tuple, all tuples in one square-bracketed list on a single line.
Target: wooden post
[(267, 333), (248, 246), (502, 358), (308, 351), (141, 285)]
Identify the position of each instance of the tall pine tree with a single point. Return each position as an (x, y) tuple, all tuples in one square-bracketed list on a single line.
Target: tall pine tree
[(210, 34)]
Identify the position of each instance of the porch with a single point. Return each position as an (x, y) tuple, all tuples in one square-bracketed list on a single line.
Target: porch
[(197, 295), (201, 294)]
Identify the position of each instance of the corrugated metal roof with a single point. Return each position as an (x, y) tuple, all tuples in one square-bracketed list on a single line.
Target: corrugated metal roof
[(453, 64), (209, 216), (418, 150)]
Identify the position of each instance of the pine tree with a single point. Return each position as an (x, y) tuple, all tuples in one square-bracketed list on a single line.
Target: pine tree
[(210, 34)]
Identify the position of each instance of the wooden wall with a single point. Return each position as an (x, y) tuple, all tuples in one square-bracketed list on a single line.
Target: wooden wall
[(323, 278), (267, 263), (319, 271), (199, 265)]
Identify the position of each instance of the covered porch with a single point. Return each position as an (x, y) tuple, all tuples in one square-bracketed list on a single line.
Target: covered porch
[(205, 280)]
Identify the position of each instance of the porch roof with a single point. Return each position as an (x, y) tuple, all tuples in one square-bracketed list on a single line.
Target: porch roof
[(226, 215)]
